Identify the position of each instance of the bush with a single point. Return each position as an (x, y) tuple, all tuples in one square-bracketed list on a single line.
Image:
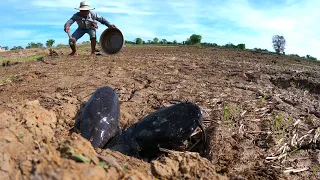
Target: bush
[(16, 48), (230, 45), (61, 46), (205, 44), (49, 43), (261, 50), (129, 42), (311, 58), (194, 39), (163, 41), (34, 45), (139, 41), (155, 40), (5, 48), (241, 46)]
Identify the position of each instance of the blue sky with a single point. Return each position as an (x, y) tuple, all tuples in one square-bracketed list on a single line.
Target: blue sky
[(252, 22)]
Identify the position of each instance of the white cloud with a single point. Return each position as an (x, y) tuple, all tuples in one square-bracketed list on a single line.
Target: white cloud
[(56, 3), (122, 10)]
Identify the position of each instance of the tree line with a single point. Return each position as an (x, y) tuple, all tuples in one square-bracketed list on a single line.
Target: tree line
[(192, 40), (278, 42), (49, 43)]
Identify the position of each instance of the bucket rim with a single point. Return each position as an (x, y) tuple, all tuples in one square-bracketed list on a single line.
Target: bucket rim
[(102, 37)]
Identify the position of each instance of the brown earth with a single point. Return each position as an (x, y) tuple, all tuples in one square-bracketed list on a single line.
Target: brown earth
[(262, 113)]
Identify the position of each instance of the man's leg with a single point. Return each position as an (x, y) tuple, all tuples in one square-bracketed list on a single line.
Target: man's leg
[(72, 45), (93, 39), (72, 42)]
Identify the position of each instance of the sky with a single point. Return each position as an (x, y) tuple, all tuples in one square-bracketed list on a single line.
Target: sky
[(252, 22)]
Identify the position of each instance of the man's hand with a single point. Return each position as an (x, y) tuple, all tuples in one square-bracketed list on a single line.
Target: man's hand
[(112, 26), (66, 29), (95, 25)]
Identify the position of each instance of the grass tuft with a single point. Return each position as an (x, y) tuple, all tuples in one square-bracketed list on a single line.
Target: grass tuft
[(230, 113), (20, 136), (21, 59)]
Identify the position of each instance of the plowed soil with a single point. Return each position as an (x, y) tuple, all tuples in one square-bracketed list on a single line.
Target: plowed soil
[(261, 113)]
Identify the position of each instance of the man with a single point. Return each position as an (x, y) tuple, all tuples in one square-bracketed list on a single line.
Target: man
[(86, 21)]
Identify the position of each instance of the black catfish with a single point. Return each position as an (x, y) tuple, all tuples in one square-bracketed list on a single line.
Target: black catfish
[(100, 117), (167, 128)]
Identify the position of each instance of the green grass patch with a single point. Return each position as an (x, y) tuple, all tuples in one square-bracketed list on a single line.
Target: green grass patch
[(22, 59), (263, 99), (125, 167), (281, 124), (67, 152), (315, 170), (295, 150), (20, 135), (102, 164), (6, 80), (32, 58), (230, 113), (80, 158)]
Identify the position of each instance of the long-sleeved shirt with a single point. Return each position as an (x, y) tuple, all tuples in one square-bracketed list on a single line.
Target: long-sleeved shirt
[(86, 22)]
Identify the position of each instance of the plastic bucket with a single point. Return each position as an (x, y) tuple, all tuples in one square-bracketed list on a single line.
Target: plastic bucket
[(111, 41)]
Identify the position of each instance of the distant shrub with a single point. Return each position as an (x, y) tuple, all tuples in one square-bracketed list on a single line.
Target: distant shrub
[(129, 42), (241, 46), (50, 42), (193, 39), (34, 45), (16, 48), (5, 47), (138, 41), (230, 45), (294, 55), (311, 58), (155, 40), (261, 50), (61, 46), (163, 41), (205, 44)]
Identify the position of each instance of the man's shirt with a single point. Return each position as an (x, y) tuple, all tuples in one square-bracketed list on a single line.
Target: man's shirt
[(86, 22)]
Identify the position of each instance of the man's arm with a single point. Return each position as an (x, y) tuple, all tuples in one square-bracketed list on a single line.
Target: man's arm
[(101, 19), (69, 23)]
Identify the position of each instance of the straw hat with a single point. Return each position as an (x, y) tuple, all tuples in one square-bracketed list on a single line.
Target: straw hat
[(84, 6)]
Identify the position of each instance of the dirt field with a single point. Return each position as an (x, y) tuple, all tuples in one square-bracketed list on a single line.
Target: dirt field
[(261, 113)]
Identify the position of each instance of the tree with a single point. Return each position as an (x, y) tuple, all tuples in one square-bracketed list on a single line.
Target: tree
[(34, 45), (175, 42), (138, 41), (163, 41), (129, 42), (5, 48), (311, 58), (241, 46), (278, 43), (16, 48), (194, 39), (155, 40), (230, 45), (50, 42)]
